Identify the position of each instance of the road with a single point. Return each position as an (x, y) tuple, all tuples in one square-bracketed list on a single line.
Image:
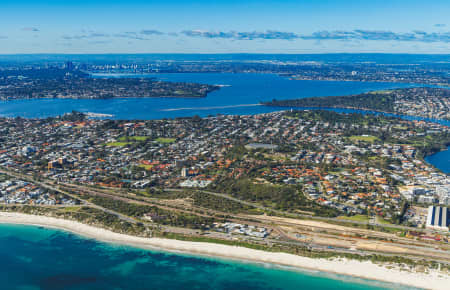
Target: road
[(289, 241), (297, 215), (225, 196), (57, 189)]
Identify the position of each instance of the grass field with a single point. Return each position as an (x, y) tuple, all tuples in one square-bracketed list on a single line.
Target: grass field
[(368, 138), (124, 141), (381, 92), (133, 138), (382, 221), (358, 217), (165, 140), (145, 166), (118, 144)]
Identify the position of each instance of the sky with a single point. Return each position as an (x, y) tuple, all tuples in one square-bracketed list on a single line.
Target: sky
[(224, 26)]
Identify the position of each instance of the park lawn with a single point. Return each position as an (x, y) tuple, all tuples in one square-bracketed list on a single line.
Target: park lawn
[(369, 138), (358, 217), (381, 92), (165, 140), (133, 138), (118, 144), (381, 220), (275, 157), (399, 127), (146, 166)]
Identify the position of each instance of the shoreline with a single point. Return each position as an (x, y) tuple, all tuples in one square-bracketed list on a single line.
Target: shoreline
[(441, 151), (360, 269), (385, 113)]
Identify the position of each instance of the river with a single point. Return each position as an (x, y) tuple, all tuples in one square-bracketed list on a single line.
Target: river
[(241, 94)]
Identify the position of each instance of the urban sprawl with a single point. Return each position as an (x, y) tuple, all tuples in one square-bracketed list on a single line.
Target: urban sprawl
[(353, 164)]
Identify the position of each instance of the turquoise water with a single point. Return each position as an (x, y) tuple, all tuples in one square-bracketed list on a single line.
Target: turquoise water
[(40, 258)]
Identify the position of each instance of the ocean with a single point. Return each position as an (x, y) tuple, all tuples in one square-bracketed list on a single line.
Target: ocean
[(34, 257), (39, 258)]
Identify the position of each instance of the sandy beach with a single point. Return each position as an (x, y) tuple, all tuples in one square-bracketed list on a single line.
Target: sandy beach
[(366, 269)]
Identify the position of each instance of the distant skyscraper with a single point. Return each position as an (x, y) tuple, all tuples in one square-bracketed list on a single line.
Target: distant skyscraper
[(69, 65), (184, 172)]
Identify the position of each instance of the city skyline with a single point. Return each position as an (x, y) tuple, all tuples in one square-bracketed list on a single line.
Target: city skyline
[(224, 27)]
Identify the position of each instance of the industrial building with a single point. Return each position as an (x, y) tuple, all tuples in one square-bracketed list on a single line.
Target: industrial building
[(438, 218)]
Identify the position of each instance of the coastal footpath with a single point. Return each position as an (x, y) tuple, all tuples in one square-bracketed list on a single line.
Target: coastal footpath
[(431, 279)]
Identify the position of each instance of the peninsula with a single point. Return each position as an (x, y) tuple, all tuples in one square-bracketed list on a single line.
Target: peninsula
[(67, 83), (425, 102)]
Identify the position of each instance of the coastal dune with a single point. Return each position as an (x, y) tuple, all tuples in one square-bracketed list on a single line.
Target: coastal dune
[(363, 269)]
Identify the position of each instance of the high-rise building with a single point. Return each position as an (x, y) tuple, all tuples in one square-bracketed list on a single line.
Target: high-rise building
[(184, 172), (69, 65)]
